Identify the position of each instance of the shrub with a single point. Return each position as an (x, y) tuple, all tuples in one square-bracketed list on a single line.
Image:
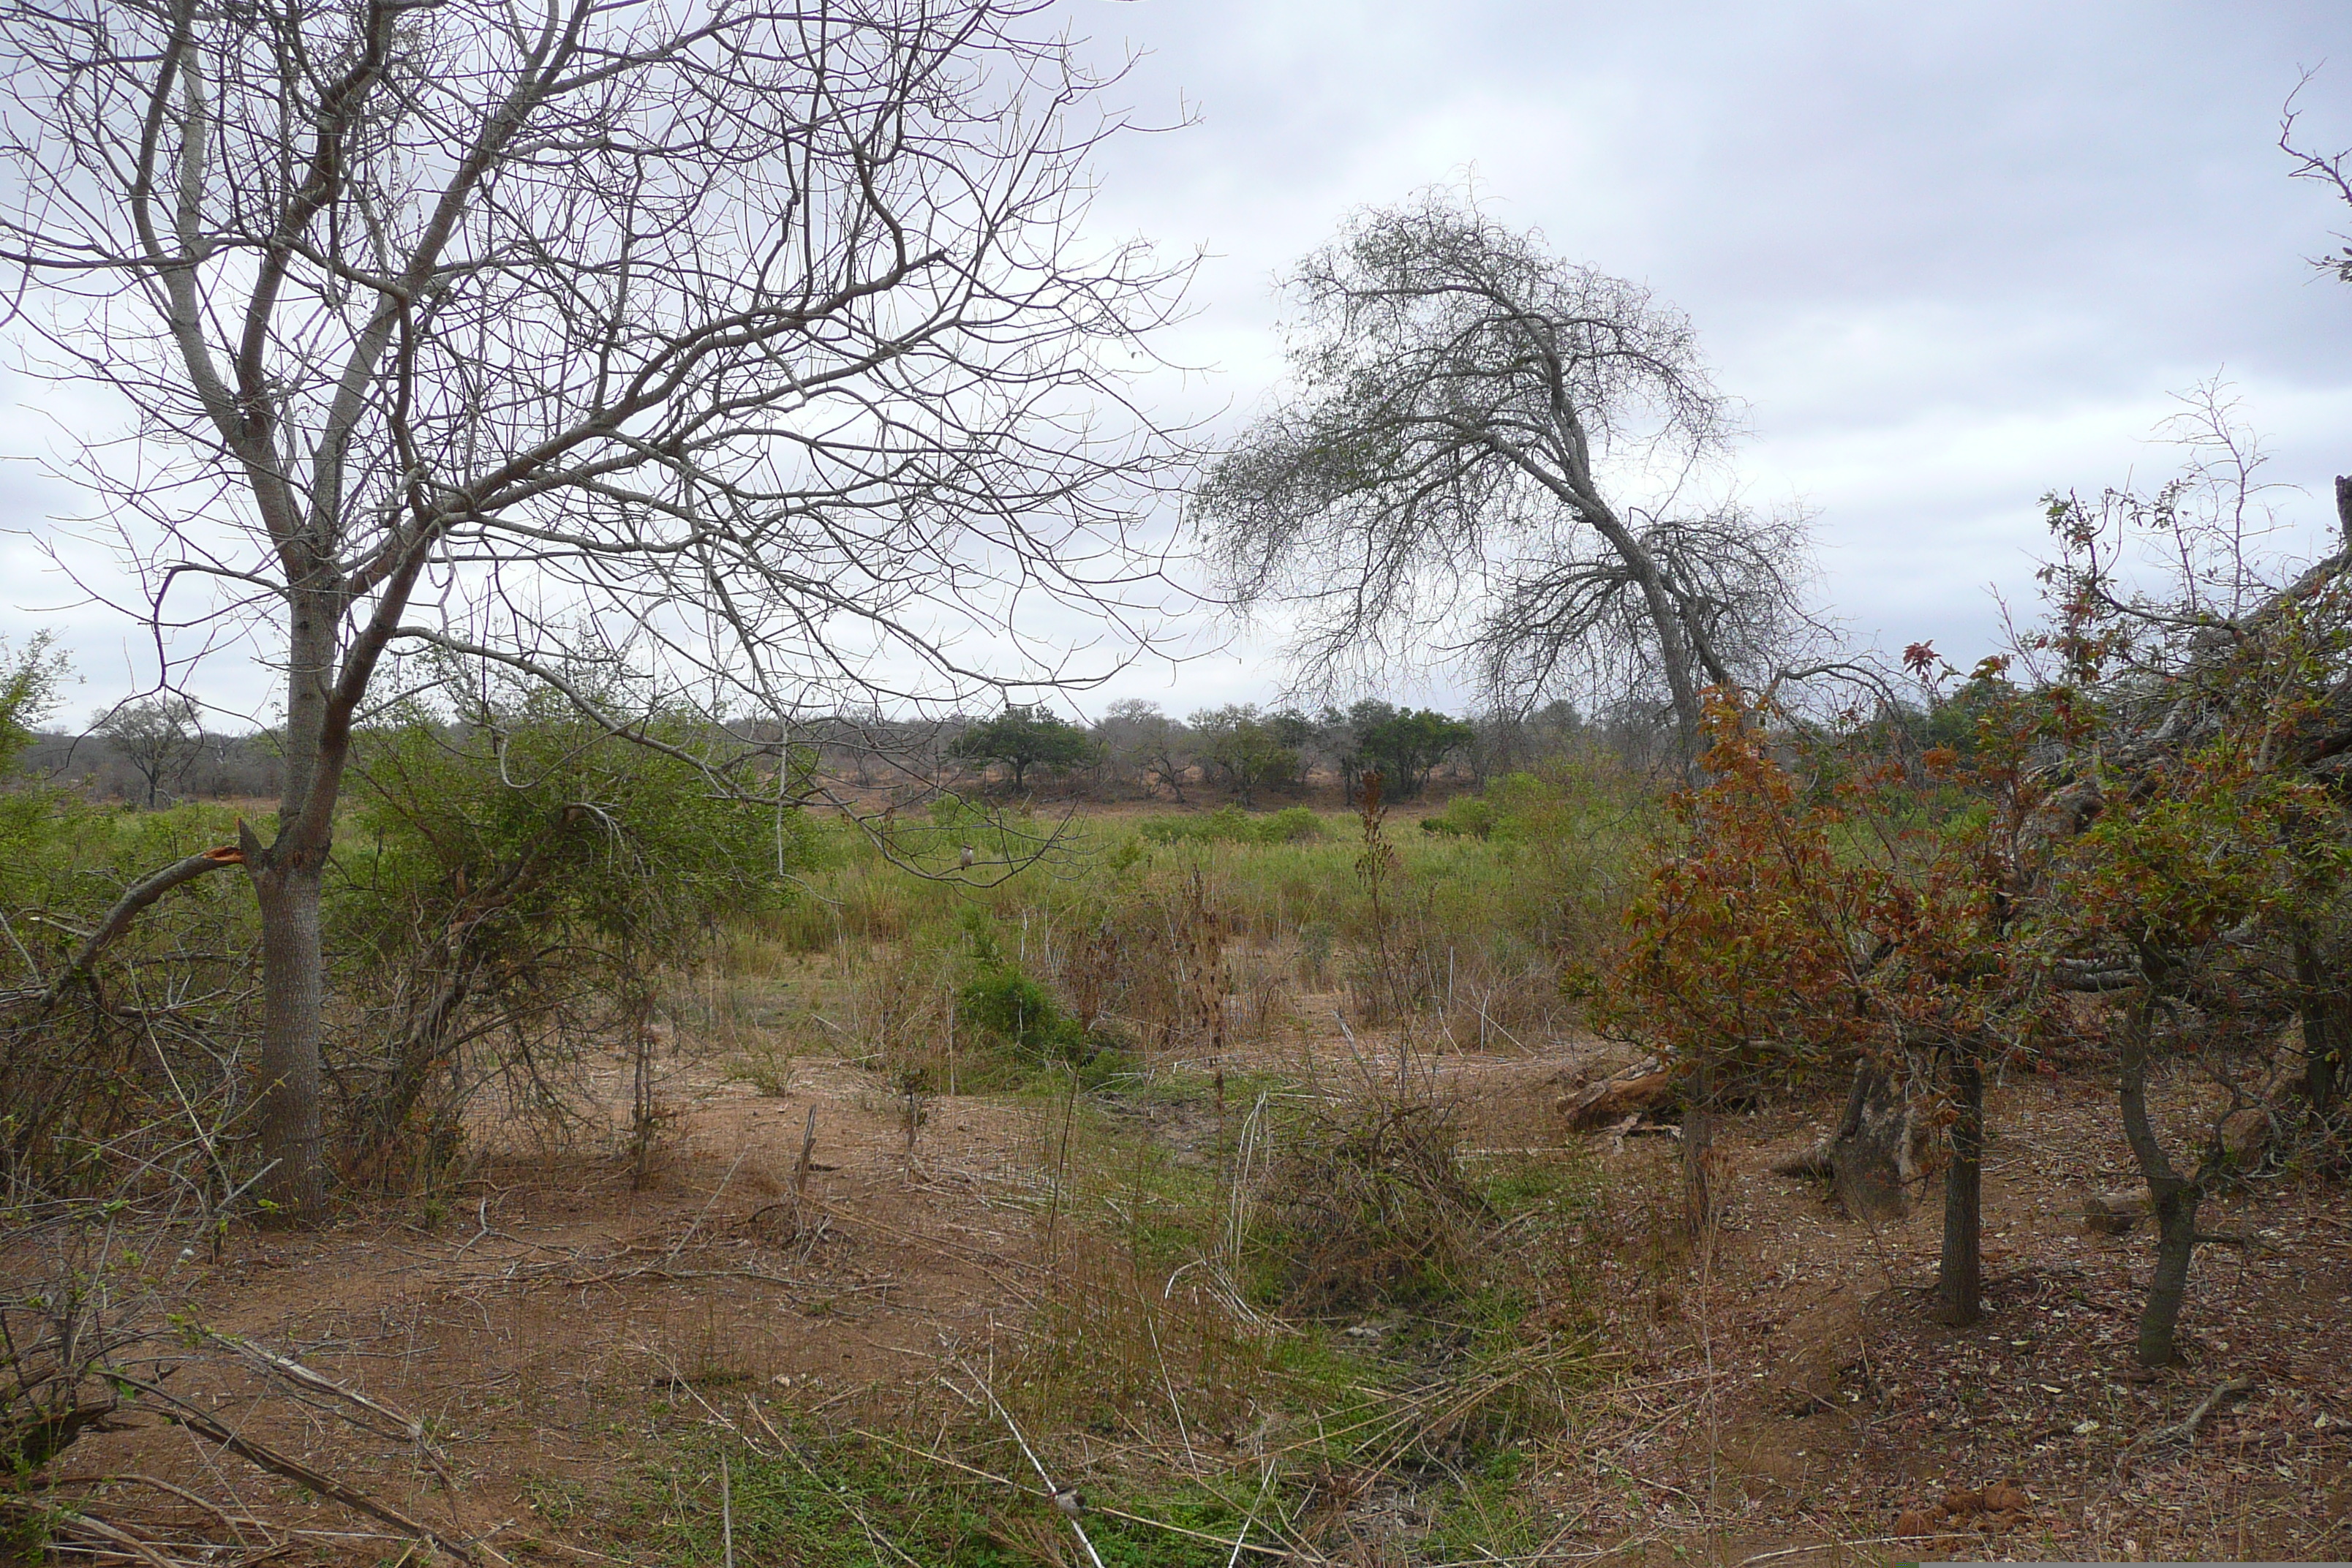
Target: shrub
[(1370, 1208), (1466, 817), (1231, 824), (514, 885), (1003, 1002)]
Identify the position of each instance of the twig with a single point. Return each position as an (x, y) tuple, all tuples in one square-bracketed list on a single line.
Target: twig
[(131, 1545), (1009, 1484), (679, 1245), (2186, 1428), (801, 1170), (1830, 1546), (873, 1537), (293, 1469), (1265, 1484), (1036, 1463), (237, 1521), (1168, 1385), (1239, 1543), (410, 1428)]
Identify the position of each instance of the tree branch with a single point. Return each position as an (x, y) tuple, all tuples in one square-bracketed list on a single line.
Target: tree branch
[(135, 899)]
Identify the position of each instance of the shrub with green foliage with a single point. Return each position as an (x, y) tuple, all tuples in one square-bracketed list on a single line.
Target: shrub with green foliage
[(102, 1070), (1465, 816), (1231, 824), (1005, 1003), (511, 884)]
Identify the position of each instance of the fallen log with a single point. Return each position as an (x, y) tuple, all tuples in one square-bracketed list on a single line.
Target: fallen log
[(1635, 1091), (2114, 1213)]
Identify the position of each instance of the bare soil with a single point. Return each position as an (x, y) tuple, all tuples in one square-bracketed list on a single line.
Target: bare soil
[(1784, 1387)]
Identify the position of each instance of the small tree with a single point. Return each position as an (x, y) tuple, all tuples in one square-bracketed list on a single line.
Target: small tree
[(2178, 882), (1022, 738), (1801, 924), (2201, 699), (28, 692), (159, 736), (1738, 958), (1245, 747)]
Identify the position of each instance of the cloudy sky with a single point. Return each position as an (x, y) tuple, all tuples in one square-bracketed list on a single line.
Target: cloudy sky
[(1951, 257)]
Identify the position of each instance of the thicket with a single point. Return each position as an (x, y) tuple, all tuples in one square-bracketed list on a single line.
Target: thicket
[(2136, 858), (512, 889)]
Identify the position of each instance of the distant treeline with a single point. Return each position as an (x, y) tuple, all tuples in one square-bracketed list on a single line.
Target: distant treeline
[(1135, 750), (206, 767)]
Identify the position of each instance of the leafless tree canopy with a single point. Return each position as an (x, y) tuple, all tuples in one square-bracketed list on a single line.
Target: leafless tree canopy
[(749, 345), (464, 313), (1468, 413)]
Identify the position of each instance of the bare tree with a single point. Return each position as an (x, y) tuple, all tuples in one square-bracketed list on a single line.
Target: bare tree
[(1468, 418), (159, 736), (1136, 733), (2327, 169), (749, 347)]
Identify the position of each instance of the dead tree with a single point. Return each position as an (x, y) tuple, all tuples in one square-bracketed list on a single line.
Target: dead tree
[(158, 736)]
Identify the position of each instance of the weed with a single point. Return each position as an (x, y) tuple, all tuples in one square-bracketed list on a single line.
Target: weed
[(1369, 1208), (766, 1064)]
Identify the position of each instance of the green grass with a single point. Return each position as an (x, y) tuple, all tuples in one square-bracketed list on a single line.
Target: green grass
[(1166, 1320), (1549, 872), (850, 1497)]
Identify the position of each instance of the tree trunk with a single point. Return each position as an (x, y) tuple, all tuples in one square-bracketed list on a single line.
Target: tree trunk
[(2176, 1245), (2173, 1197), (2326, 1008), (1869, 1155), (1959, 1279), (293, 986)]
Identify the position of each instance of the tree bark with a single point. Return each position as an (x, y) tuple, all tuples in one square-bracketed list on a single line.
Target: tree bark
[(2326, 1009), (2175, 1245), (1959, 1278), (293, 988), (2173, 1196), (1868, 1155)]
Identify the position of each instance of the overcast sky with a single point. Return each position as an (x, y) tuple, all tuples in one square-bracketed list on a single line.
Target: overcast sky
[(1951, 257)]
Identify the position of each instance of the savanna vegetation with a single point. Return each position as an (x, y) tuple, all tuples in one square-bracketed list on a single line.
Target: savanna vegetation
[(651, 1057), (1308, 1252)]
